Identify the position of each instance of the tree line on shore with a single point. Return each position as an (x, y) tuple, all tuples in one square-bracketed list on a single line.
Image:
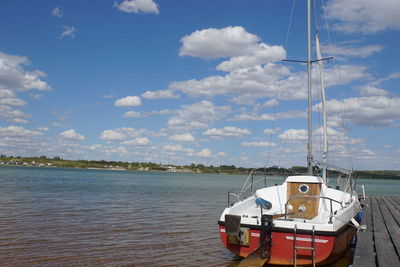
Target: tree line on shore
[(44, 161)]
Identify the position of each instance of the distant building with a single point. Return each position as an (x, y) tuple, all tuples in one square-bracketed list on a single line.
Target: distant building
[(171, 168)]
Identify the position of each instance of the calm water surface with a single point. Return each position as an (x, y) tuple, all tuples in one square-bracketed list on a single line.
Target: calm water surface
[(56, 217)]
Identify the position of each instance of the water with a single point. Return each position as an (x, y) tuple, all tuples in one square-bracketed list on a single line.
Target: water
[(56, 217)]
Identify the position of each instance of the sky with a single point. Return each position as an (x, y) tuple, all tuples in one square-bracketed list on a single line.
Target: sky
[(181, 82)]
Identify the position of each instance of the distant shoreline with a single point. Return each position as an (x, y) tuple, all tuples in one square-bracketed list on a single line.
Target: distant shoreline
[(44, 162)]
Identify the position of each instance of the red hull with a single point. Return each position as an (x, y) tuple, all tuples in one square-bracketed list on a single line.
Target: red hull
[(328, 248)]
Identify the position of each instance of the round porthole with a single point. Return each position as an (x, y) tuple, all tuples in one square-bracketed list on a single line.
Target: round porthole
[(303, 188)]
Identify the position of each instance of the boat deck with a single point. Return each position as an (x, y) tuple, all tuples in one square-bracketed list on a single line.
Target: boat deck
[(379, 244)]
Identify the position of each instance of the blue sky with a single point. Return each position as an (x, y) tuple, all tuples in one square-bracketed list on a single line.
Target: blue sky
[(186, 82)]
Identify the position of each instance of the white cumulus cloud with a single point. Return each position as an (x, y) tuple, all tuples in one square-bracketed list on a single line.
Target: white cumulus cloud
[(68, 31), (71, 135), (245, 85), (57, 12), (139, 141), (352, 51), (373, 111), (271, 103), (227, 131), (254, 117), (259, 81), (18, 131), (258, 144), (294, 135), (185, 137), (366, 16), (261, 54), (95, 147), (271, 131), (137, 6), (129, 101), (177, 148), (215, 43), (112, 135), (11, 114), (8, 97), (133, 114), (243, 48), (13, 75), (369, 90), (205, 153), (198, 115), (160, 94), (368, 152), (18, 120), (128, 135)]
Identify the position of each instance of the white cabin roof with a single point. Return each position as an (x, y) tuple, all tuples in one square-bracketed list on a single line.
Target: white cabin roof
[(304, 179)]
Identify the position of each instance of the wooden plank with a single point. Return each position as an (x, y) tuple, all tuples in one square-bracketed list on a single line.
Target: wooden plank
[(383, 237), (391, 224), (396, 242), (392, 201), (394, 227), (364, 254), (386, 254), (377, 219), (394, 211), (397, 201)]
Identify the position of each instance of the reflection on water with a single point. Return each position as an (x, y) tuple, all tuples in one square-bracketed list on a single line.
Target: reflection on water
[(92, 217), (345, 261)]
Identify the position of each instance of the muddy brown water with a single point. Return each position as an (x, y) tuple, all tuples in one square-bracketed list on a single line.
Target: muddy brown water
[(71, 217)]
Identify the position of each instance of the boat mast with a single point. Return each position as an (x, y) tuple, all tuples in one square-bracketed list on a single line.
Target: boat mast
[(309, 145)]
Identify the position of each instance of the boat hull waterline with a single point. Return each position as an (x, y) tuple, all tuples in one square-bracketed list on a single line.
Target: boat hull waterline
[(328, 248)]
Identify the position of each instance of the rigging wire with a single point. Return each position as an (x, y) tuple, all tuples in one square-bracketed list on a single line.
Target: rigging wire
[(319, 108), (346, 137), (322, 94), (326, 22), (348, 150), (317, 79), (290, 24), (343, 106), (315, 16), (276, 96)]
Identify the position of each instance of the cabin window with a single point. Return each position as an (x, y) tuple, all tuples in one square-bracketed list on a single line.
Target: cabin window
[(303, 188)]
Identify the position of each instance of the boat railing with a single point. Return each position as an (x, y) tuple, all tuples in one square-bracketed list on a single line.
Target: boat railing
[(331, 200), (250, 182), (239, 197), (248, 188)]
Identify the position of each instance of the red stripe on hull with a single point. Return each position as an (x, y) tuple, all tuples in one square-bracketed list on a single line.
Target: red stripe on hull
[(328, 248)]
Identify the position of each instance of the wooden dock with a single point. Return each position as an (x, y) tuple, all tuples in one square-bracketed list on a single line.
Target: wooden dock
[(379, 243)]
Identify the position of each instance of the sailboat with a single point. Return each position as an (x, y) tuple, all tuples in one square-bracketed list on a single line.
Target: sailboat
[(303, 221)]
